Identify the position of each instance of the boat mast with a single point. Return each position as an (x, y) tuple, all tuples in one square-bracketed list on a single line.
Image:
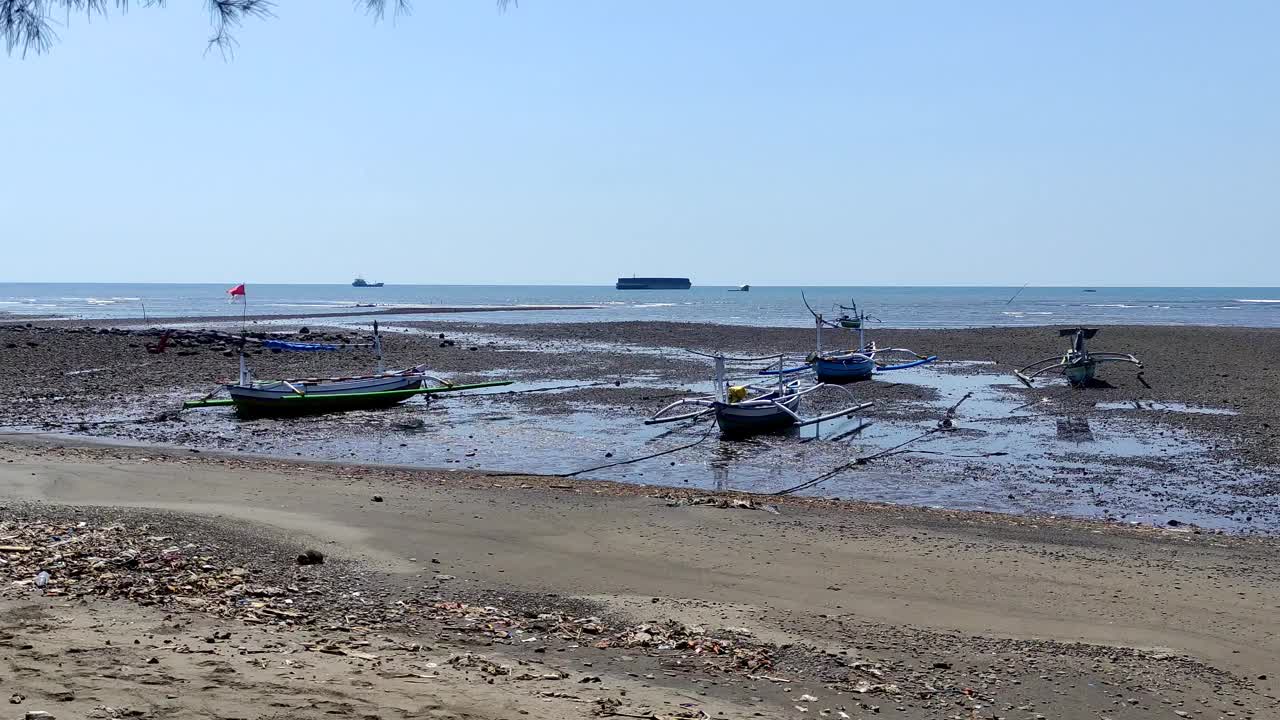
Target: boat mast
[(722, 385), (246, 378)]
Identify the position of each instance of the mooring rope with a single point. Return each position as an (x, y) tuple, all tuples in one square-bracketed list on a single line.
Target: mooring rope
[(943, 425), (668, 451)]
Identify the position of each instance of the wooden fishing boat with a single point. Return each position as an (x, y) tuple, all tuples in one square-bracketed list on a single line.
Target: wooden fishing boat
[(747, 409), (1078, 364), (846, 366), (325, 395), (322, 395)]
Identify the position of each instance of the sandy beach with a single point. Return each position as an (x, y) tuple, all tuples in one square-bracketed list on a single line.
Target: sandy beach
[(868, 609)]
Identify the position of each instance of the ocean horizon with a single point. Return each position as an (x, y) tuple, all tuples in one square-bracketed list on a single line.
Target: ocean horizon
[(780, 306)]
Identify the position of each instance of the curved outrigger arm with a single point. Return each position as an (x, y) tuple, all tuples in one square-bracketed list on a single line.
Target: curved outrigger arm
[(1062, 362), (845, 412), (919, 359), (1029, 373), (1115, 357), (702, 402)]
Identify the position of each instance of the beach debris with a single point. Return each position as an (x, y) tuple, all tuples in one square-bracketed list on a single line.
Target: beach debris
[(868, 687), (725, 503), (106, 711), (478, 662), (79, 559), (39, 715)]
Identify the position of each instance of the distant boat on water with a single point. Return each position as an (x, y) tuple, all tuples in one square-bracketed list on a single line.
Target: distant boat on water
[(741, 288), (361, 282), (653, 283)]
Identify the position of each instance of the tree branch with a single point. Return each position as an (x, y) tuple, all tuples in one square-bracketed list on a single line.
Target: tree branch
[(26, 26)]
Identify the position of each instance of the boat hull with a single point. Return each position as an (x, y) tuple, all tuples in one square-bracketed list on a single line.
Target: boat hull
[(325, 397), (738, 420), (839, 371), (1081, 373)]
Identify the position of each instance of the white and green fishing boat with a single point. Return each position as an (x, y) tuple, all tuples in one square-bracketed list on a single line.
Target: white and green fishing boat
[(302, 396)]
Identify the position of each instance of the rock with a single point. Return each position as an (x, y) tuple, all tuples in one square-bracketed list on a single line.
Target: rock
[(377, 498), (942, 665), (39, 715), (311, 557), (17, 698)]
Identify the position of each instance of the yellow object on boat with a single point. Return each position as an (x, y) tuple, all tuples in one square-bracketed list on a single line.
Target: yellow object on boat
[(737, 393)]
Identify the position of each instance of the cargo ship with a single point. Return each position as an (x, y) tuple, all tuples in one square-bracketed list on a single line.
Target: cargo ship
[(653, 283)]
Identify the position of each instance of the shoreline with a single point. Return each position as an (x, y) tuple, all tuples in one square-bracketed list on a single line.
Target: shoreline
[(856, 605), (11, 318), (38, 442)]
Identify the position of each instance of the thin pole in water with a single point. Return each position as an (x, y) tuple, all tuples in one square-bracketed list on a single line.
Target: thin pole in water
[(1015, 295)]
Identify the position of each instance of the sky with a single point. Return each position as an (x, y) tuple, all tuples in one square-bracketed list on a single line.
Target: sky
[(575, 141)]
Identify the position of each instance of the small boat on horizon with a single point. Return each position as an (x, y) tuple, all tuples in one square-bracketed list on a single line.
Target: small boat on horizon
[(361, 282), (741, 288)]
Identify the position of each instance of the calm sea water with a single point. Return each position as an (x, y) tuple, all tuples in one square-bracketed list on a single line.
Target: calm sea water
[(924, 307)]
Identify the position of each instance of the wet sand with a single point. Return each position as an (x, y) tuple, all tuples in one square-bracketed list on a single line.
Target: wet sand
[(1125, 450), (868, 610)]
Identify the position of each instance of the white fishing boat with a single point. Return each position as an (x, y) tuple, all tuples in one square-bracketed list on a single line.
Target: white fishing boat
[(1078, 364), (750, 408)]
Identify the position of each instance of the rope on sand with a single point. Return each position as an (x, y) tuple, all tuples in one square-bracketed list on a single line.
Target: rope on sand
[(668, 451), (943, 425)]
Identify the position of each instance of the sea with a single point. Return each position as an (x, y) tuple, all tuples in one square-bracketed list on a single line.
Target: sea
[(774, 306)]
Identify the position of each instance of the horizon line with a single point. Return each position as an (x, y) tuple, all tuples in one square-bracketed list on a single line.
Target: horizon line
[(582, 285)]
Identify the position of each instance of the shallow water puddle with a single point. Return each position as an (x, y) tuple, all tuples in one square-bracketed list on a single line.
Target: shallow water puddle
[(1164, 407), (1004, 453)]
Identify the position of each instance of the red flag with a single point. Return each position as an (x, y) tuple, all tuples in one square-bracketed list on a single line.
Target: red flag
[(236, 293)]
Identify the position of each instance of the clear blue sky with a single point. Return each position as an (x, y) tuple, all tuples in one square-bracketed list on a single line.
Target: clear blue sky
[(572, 141)]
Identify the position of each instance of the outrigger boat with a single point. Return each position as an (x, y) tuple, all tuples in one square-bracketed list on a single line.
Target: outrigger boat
[(1078, 364), (850, 318), (321, 395), (748, 409), (850, 365)]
